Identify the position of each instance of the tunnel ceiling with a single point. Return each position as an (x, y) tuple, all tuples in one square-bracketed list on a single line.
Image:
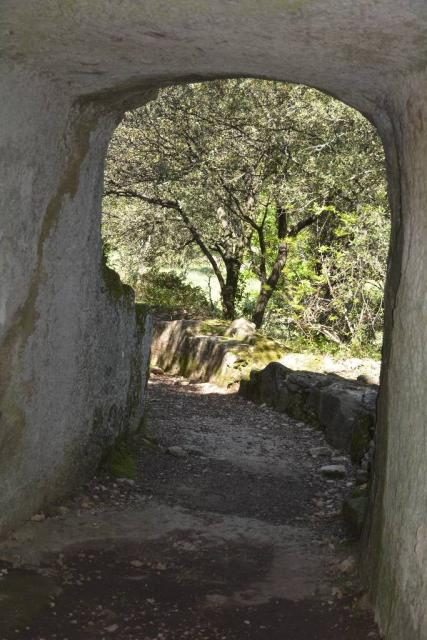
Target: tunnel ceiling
[(356, 50)]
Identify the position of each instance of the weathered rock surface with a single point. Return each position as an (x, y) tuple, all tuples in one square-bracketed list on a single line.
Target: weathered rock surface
[(354, 512), (241, 329), (364, 370), (344, 409), (74, 348), (210, 351), (333, 471)]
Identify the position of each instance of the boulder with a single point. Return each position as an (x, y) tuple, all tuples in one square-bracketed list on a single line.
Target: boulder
[(345, 417), (263, 387), (241, 329), (204, 351)]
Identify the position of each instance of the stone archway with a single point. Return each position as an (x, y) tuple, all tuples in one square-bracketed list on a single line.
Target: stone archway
[(69, 376)]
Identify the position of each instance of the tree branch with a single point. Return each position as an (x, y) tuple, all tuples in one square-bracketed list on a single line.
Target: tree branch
[(303, 224), (174, 204)]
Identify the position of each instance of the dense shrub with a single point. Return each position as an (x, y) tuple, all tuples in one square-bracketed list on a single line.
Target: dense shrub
[(169, 291)]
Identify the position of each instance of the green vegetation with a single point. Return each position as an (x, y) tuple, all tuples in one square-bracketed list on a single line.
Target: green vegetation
[(120, 461), (214, 327), (276, 192), (113, 283), (169, 290), (261, 352)]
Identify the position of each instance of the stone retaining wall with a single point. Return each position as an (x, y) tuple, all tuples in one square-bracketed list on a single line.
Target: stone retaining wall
[(344, 409)]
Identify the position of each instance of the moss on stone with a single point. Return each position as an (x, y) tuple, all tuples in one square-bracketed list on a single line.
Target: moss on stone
[(120, 460), (360, 492), (213, 327), (354, 512), (360, 438), (258, 353), (266, 348), (200, 350)]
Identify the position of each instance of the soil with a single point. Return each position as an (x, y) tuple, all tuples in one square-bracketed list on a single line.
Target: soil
[(235, 535)]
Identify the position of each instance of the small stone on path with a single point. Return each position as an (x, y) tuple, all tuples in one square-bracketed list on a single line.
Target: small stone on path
[(362, 476), (158, 371), (127, 481), (38, 517), (317, 452), (176, 451), (136, 563), (347, 565), (333, 471)]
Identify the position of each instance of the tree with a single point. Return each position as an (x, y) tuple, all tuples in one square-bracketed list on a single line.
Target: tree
[(239, 169)]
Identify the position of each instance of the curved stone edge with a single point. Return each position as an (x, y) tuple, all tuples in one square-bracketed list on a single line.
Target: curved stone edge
[(343, 409)]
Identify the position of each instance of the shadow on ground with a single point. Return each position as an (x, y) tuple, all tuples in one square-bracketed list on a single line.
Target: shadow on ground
[(240, 537)]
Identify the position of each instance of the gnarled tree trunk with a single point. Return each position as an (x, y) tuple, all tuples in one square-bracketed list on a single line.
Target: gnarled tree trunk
[(230, 287), (269, 286)]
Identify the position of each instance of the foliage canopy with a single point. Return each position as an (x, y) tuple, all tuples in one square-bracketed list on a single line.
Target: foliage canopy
[(267, 182)]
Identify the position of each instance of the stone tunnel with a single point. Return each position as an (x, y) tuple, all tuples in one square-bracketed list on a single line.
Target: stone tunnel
[(73, 348)]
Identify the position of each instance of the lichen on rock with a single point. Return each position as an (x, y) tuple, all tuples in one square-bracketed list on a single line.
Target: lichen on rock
[(204, 350)]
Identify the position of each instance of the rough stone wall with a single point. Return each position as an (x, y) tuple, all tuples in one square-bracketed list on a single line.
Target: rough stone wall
[(183, 348), (74, 352), (344, 409), (396, 538)]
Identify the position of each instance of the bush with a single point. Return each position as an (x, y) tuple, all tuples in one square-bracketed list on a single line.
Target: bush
[(168, 291)]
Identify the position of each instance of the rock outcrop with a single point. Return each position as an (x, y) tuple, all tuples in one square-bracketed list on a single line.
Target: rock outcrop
[(241, 329), (344, 409), (205, 351)]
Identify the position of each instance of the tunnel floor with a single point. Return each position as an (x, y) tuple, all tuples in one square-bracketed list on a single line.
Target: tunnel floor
[(232, 533)]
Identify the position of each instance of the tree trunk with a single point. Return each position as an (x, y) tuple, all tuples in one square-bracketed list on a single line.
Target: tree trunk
[(267, 289), (229, 289)]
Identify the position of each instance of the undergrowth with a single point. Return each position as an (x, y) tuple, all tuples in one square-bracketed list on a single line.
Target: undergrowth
[(120, 461)]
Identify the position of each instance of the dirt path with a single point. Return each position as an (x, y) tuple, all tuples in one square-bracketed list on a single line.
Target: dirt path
[(234, 535)]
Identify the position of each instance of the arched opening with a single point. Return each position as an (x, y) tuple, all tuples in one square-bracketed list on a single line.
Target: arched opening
[(282, 173), (135, 185), (291, 572)]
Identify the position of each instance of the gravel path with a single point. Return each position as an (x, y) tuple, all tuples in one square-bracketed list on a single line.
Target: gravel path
[(230, 532)]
